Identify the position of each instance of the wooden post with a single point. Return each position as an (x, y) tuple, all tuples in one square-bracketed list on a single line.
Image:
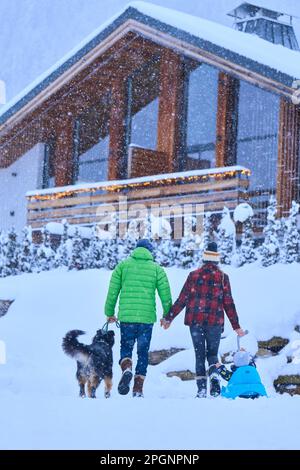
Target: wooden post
[(63, 155), (171, 99), (117, 167), (288, 156), (226, 120)]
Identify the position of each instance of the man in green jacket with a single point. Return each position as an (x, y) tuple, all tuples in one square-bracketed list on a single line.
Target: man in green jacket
[(136, 279)]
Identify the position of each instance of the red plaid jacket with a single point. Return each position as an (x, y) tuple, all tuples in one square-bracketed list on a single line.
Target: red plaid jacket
[(206, 294)]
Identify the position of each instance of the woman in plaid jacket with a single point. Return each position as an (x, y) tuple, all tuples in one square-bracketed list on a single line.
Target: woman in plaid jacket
[(206, 294)]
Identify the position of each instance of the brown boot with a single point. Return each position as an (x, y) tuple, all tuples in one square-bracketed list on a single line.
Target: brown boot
[(126, 366), (138, 386)]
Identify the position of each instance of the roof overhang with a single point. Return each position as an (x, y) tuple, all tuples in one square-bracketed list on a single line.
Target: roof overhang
[(133, 21)]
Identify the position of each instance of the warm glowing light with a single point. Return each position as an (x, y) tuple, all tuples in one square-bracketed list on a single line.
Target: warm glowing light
[(120, 187)]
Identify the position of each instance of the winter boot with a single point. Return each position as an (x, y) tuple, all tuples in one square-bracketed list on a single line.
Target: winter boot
[(138, 386), (124, 384), (202, 386), (214, 381)]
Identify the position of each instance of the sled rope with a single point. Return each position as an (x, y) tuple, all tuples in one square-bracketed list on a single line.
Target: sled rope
[(106, 324)]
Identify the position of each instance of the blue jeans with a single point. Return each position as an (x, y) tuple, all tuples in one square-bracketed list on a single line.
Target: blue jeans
[(206, 341), (140, 333)]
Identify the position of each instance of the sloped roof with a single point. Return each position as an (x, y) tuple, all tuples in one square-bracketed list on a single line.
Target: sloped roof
[(269, 60)]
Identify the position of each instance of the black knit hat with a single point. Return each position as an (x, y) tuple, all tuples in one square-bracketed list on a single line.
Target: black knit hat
[(211, 253), (212, 246)]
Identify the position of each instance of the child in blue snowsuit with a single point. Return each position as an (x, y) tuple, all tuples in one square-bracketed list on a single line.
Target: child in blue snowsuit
[(243, 379)]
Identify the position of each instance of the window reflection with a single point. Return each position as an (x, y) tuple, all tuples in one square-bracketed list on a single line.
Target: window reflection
[(201, 118), (257, 140), (92, 142), (143, 105)]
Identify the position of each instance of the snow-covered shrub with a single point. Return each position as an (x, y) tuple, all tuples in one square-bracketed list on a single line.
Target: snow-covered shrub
[(78, 254), (10, 250), (25, 257), (45, 255), (64, 250), (291, 238), (165, 253), (270, 249), (226, 237)]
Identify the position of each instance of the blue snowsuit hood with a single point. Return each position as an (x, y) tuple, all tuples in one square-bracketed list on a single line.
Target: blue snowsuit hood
[(244, 381)]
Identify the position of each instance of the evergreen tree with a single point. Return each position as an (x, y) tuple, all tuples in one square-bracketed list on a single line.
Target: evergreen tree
[(110, 253), (45, 255), (78, 255), (165, 253), (94, 258), (226, 237), (11, 251), (63, 252), (291, 241), (2, 254), (270, 249), (187, 254), (25, 260), (247, 252)]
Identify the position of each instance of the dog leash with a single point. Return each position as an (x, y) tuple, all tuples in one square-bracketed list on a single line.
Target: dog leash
[(106, 324)]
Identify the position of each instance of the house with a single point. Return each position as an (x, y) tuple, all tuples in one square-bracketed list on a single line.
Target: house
[(157, 108)]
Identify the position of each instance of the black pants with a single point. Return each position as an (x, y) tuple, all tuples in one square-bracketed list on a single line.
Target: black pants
[(206, 341)]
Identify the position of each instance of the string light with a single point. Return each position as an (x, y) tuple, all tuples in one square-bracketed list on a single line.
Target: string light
[(160, 182)]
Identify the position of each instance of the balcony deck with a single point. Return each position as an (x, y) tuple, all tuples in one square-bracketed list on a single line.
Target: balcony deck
[(88, 204)]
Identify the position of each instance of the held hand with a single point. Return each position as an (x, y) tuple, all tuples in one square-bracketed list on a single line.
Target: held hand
[(240, 332), (112, 319), (165, 324)]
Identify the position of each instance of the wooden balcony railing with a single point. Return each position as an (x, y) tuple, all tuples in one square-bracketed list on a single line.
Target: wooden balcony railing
[(86, 204)]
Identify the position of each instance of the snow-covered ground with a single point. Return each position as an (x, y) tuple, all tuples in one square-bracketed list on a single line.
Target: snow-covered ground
[(39, 404)]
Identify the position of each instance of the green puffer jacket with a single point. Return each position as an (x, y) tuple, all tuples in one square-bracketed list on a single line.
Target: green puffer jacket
[(136, 279)]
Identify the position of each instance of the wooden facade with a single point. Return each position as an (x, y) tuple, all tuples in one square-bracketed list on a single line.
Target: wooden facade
[(53, 116)]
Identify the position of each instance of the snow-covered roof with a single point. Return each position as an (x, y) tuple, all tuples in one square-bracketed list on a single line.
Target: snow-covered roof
[(269, 60), (142, 179)]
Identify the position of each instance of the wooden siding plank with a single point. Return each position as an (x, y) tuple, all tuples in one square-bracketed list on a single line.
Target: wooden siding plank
[(288, 156)]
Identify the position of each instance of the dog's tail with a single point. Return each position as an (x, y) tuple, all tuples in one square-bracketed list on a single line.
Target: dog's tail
[(72, 347)]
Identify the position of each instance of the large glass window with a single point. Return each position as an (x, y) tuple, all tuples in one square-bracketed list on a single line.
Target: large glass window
[(48, 169), (143, 106), (92, 142), (257, 138), (202, 96)]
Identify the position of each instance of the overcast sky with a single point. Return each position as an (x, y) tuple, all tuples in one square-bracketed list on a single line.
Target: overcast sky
[(34, 34)]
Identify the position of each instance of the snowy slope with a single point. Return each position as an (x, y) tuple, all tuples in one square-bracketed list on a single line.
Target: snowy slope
[(39, 407)]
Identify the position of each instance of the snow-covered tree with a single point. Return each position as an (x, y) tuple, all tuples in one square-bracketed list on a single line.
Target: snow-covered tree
[(10, 254), (78, 255), (130, 240), (111, 253), (25, 258), (188, 250), (165, 252), (45, 255), (291, 239), (270, 249), (226, 237), (207, 230), (94, 258), (2, 254), (63, 252), (246, 252)]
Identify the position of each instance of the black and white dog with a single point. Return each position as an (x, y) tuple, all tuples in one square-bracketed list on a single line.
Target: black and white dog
[(94, 361)]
